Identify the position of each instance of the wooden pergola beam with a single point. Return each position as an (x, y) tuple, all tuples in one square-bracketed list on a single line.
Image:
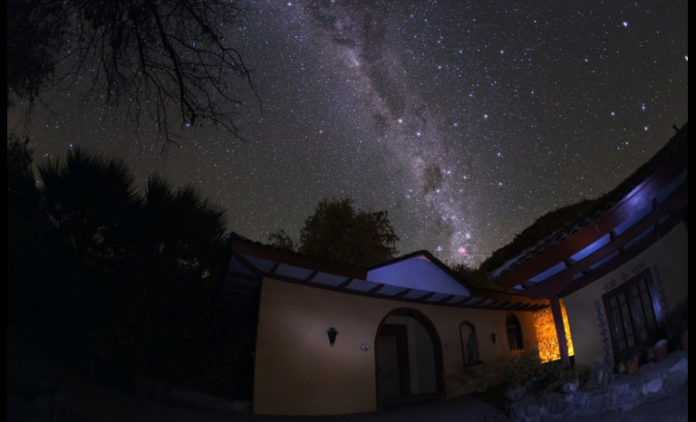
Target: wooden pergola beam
[(560, 330), (559, 282), (604, 224)]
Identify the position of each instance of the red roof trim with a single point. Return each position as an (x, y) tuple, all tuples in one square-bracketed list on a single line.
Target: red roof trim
[(605, 223)]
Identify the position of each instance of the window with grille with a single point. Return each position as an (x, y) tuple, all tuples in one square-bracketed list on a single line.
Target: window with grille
[(514, 332), (633, 315)]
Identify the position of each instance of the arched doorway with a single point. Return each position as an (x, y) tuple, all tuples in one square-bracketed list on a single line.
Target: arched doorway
[(408, 358)]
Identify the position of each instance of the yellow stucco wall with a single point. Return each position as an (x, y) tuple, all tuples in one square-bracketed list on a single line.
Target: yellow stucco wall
[(667, 261), (297, 372)]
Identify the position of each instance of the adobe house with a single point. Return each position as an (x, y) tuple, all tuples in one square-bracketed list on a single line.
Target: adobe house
[(336, 339), (618, 269)]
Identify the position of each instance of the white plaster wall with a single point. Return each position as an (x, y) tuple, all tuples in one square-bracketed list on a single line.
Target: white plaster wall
[(298, 373)]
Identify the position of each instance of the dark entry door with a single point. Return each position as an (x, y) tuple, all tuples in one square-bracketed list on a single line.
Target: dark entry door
[(394, 377)]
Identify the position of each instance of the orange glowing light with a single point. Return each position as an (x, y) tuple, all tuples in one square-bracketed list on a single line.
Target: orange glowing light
[(547, 340)]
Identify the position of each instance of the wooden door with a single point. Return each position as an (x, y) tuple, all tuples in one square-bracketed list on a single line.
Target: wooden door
[(393, 374)]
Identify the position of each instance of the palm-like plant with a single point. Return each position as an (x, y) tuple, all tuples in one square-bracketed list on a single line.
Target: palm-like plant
[(182, 227), (88, 199), (132, 280), (180, 249)]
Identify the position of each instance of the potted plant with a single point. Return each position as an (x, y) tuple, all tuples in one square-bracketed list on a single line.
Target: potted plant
[(676, 325)]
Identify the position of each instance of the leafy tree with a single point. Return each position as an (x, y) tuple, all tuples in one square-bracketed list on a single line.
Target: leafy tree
[(340, 233), (159, 56), (282, 240)]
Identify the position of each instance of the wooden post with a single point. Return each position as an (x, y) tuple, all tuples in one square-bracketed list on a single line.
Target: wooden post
[(560, 330)]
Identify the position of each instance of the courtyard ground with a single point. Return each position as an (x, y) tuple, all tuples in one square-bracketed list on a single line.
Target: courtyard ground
[(41, 390)]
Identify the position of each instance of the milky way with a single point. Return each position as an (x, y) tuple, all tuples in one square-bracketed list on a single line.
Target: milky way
[(402, 118), (466, 121)]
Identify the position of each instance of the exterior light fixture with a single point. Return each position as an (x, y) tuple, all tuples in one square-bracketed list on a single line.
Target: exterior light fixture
[(332, 335), (493, 338)]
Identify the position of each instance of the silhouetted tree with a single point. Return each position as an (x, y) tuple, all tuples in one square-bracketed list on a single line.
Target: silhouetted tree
[(23, 230), (474, 277), (89, 203), (542, 227), (154, 56), (167, 306), (340, 233), (129, 283), (281, 240), (21, 188), (88, 199)]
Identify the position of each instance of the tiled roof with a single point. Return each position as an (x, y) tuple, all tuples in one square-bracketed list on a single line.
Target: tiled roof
[(428, 280)]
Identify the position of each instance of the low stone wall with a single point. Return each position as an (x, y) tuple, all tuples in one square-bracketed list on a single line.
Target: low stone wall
[(653, 381)]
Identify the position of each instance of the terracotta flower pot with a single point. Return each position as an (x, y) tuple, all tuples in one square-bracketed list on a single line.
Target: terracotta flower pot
[(632, 365), (660, 350)]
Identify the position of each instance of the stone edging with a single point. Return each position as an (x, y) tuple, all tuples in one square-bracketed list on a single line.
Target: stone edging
[(654, 381)]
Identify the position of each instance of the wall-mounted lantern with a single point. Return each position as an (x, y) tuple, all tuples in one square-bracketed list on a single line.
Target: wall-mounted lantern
[(332, 335), (493, 338)]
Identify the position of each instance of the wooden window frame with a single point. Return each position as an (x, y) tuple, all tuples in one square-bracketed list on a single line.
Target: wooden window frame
[(641, 315)]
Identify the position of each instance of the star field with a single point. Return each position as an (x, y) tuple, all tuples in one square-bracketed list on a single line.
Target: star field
[(466, 121)]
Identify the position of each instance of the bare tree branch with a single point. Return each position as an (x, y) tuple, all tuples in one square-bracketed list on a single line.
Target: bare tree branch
[(154, 54)]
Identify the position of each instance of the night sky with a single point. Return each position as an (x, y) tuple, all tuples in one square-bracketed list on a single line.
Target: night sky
[(466, 121)]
